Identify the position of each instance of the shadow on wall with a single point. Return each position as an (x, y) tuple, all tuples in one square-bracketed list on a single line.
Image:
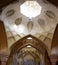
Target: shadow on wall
[(57, 63)]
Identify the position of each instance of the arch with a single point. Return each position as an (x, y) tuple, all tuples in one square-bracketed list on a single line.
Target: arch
[(25, 41), (34, 42), (31, 53), (36, 57), (3, 38)]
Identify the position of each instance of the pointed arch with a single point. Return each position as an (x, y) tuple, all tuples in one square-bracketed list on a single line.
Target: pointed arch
[(34, 42), (3, 38), (25, 41), (31, 53)]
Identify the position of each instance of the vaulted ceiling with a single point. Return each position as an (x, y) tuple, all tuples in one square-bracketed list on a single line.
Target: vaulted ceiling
[(17, 25)]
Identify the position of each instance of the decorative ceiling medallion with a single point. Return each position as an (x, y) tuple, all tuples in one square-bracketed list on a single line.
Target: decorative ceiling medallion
[(50, 14), (30, 25), (10, 12), (18, 21), (41, 22), (30, 9)]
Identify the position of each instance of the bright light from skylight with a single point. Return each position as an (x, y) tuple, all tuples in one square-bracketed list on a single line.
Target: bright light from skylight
[(29, 38), (30, 9), (28, 46)]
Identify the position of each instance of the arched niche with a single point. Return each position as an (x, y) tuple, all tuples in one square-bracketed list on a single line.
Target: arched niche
[(3, 38), (32, 41), (27, 57)]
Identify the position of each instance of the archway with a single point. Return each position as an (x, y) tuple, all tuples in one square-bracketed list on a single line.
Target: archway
[(32, 41), (3, 38)]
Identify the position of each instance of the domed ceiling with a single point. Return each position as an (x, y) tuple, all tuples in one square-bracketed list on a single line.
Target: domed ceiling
[(18, 25)]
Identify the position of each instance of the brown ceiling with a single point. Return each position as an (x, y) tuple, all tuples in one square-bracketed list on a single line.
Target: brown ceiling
[(6, 2), (55, 38), (55, 2)]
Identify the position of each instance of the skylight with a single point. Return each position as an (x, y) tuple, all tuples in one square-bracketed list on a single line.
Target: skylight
[(30, 9)]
